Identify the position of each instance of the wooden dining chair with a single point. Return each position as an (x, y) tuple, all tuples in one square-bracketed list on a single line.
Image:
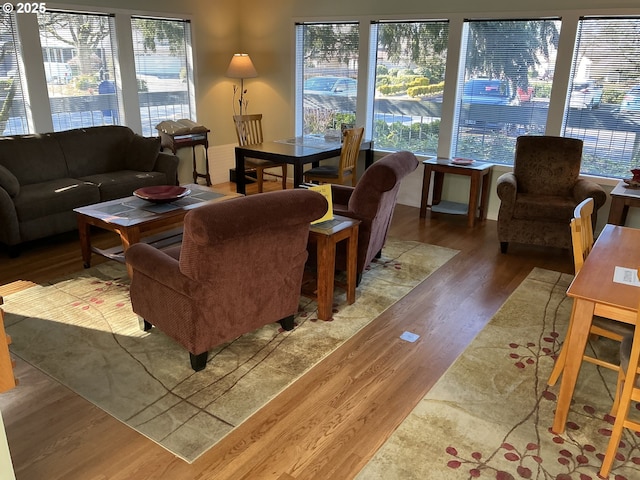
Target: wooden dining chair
[(249, 132), (629, 360), (347, 166), (582, 241)]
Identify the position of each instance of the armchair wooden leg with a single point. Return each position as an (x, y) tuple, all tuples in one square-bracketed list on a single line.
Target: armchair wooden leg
[(287, 323), (198, 362)]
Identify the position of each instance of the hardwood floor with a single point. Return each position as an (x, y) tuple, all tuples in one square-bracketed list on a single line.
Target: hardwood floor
[(326, 425)]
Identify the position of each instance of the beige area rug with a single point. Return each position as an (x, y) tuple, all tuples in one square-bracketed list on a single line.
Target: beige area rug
[(489, 415), (82, 332)]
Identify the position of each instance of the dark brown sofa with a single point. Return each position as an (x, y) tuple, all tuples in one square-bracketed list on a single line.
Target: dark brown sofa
[(44, 177), (240, 267)]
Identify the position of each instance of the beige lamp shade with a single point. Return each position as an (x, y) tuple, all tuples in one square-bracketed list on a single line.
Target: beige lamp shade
[(241, 66)]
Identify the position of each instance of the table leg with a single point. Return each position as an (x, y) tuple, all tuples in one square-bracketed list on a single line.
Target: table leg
[(352, 264), (84, 231), (240, 173), (484, 196), (129, 236), (195, 170), (474, 191), (326, 266), (618, 211), (368, 158), (438, 182), (298, 175), (576, 344), (426, 184)]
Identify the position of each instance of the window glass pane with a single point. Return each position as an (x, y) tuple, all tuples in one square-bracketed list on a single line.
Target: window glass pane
[(13, 113), (603, 105), (328, 61), (504, 86), (79, 69), (162, 70), (410, 69)]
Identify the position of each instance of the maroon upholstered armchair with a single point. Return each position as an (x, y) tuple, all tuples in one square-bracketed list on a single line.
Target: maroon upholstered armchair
[(538, 198), (372, 201), (240, 267)]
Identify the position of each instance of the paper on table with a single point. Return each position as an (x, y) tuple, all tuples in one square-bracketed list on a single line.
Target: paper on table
[(628, 276)]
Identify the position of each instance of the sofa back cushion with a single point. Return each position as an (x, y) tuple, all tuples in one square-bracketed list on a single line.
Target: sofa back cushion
[(33, 158), (94, 150), (142, 153)]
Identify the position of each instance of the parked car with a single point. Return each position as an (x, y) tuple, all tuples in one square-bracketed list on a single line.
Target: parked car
[(585, 94), (331, 85), (631, 100), (487, 92)]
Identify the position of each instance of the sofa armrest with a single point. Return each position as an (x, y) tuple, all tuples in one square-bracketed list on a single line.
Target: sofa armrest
[(160, 267), (167, 163), (9, 228)]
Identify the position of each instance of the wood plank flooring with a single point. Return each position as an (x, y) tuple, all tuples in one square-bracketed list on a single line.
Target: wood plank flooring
[(325, 426)]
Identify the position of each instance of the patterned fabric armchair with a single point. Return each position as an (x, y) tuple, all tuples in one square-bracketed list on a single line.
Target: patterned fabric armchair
[(537, 199), (240, 267)]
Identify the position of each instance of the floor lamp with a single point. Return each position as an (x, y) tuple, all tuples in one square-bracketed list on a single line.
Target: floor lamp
[(241, 67)]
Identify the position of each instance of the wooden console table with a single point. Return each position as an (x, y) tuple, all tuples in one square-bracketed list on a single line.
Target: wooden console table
[(479, 173), (174, 142)]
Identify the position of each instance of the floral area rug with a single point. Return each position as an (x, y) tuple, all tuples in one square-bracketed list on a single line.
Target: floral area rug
[(82, 332), (489, 415)]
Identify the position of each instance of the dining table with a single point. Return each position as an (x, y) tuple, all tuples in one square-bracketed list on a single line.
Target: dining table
[(296, 151), (607, 286)]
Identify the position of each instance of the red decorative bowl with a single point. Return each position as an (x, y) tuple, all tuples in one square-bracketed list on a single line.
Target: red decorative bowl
[(162, 193), (462, 161)]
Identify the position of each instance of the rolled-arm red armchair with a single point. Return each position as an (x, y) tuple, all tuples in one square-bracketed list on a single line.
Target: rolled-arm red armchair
[(240, 267), (372, 201)]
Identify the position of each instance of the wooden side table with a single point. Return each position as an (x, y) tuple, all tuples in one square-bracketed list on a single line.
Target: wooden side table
[(479, 173), (326, 235), (622, 198), (174, 142)]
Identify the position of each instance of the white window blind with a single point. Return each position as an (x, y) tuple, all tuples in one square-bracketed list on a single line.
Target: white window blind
[(13, 113), (326, 81), (162, 49), (505, 85), (410, 71), (603, 104), (79, 64)]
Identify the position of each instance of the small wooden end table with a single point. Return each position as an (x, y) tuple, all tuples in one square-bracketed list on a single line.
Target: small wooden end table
[(622, 197), (133, 218), (326, 235), (174, 142), (479, 173)]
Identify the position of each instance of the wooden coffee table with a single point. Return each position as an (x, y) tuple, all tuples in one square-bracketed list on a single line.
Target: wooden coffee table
[(135, 220)]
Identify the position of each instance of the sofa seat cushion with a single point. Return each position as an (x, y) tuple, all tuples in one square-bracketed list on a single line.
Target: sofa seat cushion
[(54, 196), (122, 183), (529, 206)]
